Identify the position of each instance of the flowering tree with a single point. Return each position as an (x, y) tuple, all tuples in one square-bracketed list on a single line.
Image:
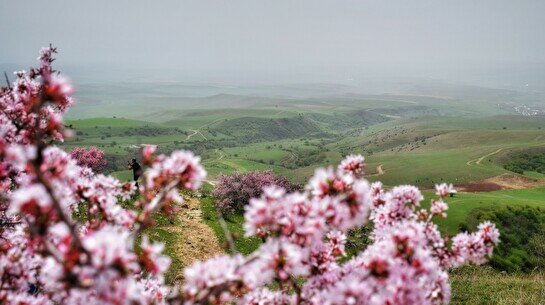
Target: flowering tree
[(49, 256), (91, 157), (235, 191)]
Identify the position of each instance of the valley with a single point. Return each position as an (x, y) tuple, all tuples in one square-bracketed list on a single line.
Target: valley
[(419, 140)]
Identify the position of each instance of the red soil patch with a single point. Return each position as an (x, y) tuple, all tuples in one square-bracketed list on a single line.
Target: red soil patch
[(478, 187)]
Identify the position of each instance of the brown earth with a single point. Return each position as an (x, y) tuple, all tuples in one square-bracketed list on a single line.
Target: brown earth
[(379, 171), (196, 239), (501, 182)]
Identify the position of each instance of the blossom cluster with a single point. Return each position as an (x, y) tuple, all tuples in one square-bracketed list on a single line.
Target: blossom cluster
[(65, 234), (90, 157), (304, 236), (235, 191), (67, 238)]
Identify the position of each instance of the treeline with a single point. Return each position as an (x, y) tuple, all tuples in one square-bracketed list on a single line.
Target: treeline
[(533, 162), (252, 130)]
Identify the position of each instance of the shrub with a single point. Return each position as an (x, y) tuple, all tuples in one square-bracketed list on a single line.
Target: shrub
[(527, 161), (523, 236), (234, 191), (91, 157)]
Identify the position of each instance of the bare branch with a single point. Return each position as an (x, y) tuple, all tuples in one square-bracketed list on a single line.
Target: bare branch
[(7, 79)]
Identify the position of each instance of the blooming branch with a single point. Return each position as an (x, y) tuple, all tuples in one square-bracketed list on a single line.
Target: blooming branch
[(50, 253)]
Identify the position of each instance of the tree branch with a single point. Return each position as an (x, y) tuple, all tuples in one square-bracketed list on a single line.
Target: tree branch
[(7, 80)]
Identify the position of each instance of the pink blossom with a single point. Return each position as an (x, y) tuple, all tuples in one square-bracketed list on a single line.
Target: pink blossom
[(152, 258), (445, 189), (180, 165), (236, 190), (32, 200), (438, 207), (66, 235), (91, 157), (353, 164)]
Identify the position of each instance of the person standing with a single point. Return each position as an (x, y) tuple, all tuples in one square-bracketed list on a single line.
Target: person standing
[(136, 170)]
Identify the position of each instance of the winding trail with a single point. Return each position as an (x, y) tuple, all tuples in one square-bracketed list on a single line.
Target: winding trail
[(479, 160), (202, 136), (220, 153), (195, 132), (190, 135)]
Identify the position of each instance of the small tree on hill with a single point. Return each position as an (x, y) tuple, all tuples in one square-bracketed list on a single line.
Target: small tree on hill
[(91, 157), (235, 191)]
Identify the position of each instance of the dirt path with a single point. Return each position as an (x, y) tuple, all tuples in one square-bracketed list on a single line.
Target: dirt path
[(195, 239), (212, 182), (190, 135), (380, 171), (202, 135), (479, 160), (195, 132), (220, 153)]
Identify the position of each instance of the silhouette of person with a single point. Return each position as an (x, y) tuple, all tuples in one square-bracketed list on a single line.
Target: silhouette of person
[(136, 170)]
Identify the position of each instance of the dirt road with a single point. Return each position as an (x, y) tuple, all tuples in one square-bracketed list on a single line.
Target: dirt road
[(195, 132), (195, 239)]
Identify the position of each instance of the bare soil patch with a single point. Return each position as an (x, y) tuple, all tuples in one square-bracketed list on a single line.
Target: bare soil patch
[(196, 240), (379, 171), (501, 182)]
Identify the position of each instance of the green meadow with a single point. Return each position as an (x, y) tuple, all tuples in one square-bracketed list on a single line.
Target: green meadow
[(406, 140)]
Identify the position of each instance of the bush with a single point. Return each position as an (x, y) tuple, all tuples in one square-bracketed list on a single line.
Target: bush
[(522, 230), (528, 161), (91, 157), (234, 191)]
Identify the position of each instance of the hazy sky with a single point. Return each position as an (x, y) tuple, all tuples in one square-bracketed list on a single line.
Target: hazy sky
[(277, 37)]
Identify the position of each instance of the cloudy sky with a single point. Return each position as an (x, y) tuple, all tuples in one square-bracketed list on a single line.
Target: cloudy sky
[(278, 37)]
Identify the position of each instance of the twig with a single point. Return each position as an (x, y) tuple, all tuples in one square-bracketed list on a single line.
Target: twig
[(7, 79)]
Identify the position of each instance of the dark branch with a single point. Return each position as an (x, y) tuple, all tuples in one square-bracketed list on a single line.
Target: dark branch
[(7, 79)]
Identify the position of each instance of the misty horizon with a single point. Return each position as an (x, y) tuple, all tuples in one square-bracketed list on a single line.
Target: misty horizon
[(489, 42)]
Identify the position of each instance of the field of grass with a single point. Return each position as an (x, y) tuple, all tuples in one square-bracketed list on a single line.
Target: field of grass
[(416, 150), (463, 203), (123, 176), (407, 139), (482, 286), (234, 224), (409, 150)]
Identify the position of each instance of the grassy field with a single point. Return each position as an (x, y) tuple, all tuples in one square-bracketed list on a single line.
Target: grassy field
[(419, 151), (482, 286), (463, 203), (234, 224), (462, 138)]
